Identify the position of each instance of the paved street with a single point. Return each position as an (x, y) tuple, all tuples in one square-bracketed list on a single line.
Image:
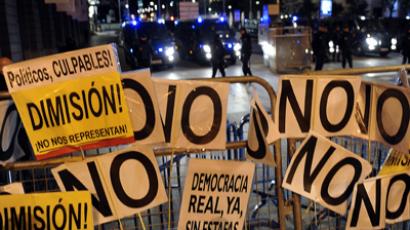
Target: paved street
[(240, 93)]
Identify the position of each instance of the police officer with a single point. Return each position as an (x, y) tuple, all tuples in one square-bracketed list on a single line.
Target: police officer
[(246, 52), (319, 46), (406, 47), (217, 60), (144, 54), (346, 46)]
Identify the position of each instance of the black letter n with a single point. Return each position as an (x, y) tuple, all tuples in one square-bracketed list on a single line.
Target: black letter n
[(308, 150), (288, 94), (71, 183), (373, 213)]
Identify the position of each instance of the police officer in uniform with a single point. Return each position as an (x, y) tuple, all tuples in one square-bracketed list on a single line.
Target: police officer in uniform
[(346, 46), (246, 52), (406, 47), (217, 60), (319, 46)]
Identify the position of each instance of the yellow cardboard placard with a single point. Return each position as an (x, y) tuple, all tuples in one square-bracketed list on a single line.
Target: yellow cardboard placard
[(82, 113), (57, 210), (395, 162)]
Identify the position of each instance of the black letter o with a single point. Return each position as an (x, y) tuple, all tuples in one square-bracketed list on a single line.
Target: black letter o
[(398, 137), (145, 131), (216, 122), (116, 180), (395, 214), (324, 191), (349, 107)]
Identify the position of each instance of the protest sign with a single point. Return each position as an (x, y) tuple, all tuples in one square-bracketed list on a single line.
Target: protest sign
[(379, 201), (166, 94), (390, 116), (334, 105), (368, 207), (193, 113), (363, 104), (397, 197), (216, 194), (261, 133), (121, 183), (395, 162), (143, 106), (324, 104), (79, 102), (13, 188), (57, 210), (325, 172), (14, 142), (294, 106)]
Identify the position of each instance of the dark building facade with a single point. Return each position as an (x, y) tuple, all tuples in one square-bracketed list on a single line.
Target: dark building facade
[(32, 28)]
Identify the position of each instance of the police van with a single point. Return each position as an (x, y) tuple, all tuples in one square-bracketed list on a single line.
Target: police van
[(160, 41), (194, 38)]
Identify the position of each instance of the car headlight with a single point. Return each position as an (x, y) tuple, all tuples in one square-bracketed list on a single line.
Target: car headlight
[(207, 48), (371, 41), (237, 47), (331, 44), (169, 51), (393, 41)]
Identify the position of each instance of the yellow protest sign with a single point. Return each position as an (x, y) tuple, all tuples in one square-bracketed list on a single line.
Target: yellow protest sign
[(395, 162), (80, 108), (59, 210)]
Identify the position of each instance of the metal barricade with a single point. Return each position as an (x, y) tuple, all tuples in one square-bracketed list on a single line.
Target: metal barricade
[(310, 215), (36, 177), (269, 205)]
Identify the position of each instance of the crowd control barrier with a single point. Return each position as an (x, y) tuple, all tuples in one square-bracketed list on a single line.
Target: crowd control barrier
[(36, 177), (270, 206)]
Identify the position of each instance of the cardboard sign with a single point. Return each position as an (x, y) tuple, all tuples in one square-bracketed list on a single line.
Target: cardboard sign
[(323, 104), (14, 142), (121, 183), (379, 201), (216, 193), (79, 102), (397, 198), (143, 106), (362, 113), (193, 112), (261, 133), (57, 210), (335, 106), (368, 205), (391, 116), (325, 172), (395, 162), (294, 106), (14, 188)]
